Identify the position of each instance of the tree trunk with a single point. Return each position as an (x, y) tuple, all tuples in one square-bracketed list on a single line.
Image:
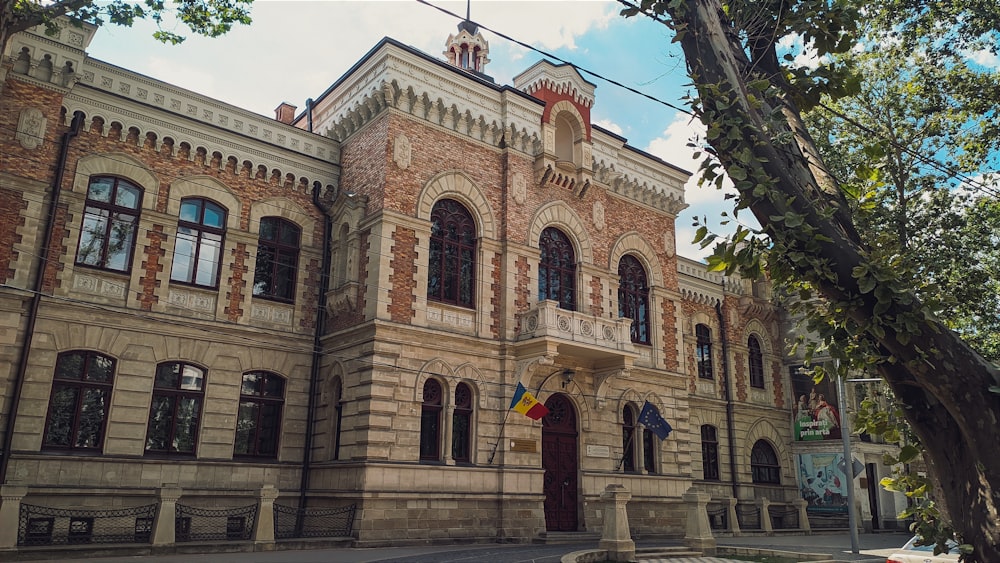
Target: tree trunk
[(944, 385)]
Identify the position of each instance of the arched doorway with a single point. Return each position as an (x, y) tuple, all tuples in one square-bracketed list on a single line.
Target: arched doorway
[(559, 460)]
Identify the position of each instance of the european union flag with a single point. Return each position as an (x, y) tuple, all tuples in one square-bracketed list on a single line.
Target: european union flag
[(651, 419)]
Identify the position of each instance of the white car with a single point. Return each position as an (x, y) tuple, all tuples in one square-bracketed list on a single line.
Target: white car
[(912, 553)]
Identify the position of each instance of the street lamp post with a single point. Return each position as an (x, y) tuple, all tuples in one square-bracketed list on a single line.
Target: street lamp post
[(845, 433)]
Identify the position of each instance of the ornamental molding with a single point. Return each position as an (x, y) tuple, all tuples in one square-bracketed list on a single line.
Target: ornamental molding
[(103, 77), (444, 96), (31, 128), (561, 79), (163, 125)]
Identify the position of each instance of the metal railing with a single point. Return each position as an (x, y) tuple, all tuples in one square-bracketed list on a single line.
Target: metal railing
[(313, 522), (783, 517), (718, 517), (214, 524), (748, 515), (42, 525)]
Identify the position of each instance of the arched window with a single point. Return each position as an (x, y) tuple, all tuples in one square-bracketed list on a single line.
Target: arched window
[(110, 221), (198, 247), (648, 451), (461, 425), (709, 453), (756, 362), (633, 297), (557, 269), (338, 417), (430, 422), (704, 351), (451, 270), (78, 404), (628, 438), (175, 411), (764, 466), (565, 139), (258, 423), (277, 259)]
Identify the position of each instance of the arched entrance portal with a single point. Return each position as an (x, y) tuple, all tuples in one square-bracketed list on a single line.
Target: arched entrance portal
[(559, 460)]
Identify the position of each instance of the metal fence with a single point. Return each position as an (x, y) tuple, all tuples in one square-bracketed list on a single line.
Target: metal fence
[(718, 517), (784, 517), (748, 516), (42, 525), (220, 524), (313, 522)]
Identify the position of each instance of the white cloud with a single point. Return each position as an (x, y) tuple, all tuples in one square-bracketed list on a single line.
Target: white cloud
[(704, 202), (984, 57), (295, 49), (610, 126)]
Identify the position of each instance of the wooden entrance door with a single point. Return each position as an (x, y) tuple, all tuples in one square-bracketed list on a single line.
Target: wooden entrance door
[(559, 460)]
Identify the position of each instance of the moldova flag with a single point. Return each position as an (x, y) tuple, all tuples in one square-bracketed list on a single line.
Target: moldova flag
[(527, 405)]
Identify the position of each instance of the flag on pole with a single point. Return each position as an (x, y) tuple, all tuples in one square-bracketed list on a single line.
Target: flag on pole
[(527, 405), (651, 419)]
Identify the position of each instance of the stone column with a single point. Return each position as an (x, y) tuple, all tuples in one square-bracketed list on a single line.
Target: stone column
[(263, 525), (10, 513), (164, 527), (765, 516), (616, 538), (732, 517), (699, 532), (801, 504)]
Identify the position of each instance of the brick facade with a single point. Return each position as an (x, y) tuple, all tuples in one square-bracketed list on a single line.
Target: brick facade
[(377, 162)]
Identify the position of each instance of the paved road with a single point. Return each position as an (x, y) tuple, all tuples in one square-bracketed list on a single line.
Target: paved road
[(873, 547)]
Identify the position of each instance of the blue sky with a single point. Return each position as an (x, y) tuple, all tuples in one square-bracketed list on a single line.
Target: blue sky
[(295, 49)]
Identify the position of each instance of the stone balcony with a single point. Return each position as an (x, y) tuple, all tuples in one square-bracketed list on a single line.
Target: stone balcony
[(587, 339)]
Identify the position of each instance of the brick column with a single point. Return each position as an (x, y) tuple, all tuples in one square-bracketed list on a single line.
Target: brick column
[(164, 527), (10, 513), (698, 534), (263, 526), (616, 537)]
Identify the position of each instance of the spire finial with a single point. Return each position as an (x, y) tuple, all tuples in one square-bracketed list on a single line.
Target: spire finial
[(468, 10)]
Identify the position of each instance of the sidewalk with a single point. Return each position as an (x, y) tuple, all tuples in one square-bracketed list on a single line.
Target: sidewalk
[(873, 547)]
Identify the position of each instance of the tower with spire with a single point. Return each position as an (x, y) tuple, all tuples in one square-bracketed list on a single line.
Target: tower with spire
[(468, 49)]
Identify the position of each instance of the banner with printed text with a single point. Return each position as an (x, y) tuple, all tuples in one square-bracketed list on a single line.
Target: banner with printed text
[(816, 411)]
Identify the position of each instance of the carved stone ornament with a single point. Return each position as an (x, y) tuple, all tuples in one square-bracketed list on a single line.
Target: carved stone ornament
[(520, 188), (401, 151), (31, 128), (598, 216), (669, 243), (550, 140)]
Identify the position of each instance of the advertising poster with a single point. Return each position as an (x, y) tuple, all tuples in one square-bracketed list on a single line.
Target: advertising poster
[(816, 412), (822, 483)]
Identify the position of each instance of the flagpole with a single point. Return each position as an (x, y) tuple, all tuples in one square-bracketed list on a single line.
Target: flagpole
[(628, 446), (499, 437)]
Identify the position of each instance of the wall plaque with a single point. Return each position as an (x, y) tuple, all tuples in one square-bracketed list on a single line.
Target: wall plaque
[(598, 451), (525, 446)]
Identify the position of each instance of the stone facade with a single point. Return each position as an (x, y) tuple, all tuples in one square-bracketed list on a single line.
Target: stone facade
[(361, 333)]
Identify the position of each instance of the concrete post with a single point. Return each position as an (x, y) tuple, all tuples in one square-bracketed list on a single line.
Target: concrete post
[(733, 518), (263, 526), (616, 539), (10, 513), (164, 527), (765, 516), (801, 504), (699, 532)]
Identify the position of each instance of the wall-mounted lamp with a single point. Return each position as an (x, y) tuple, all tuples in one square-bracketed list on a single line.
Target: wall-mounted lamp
[(567, 376)]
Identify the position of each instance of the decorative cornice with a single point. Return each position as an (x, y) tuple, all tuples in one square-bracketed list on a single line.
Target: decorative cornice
[(219, 116), (561, 79), (165, 125)]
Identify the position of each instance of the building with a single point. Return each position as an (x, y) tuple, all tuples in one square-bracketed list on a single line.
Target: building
[(339, 303)]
